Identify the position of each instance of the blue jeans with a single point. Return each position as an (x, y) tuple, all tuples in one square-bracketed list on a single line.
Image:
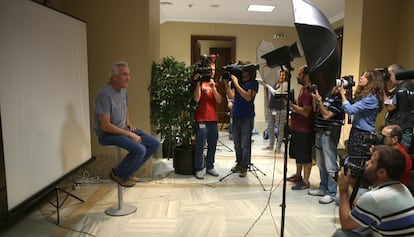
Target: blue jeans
[(207, 131), (138, 152), (326, 153), (242, 137)]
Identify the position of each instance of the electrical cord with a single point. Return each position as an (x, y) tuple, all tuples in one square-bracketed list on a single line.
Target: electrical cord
[(272, 189)]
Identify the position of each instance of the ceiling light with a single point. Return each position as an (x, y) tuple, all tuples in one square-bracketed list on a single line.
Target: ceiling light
[(260, 8)]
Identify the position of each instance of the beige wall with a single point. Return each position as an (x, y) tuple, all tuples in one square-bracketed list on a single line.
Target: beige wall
[(405, 55), (377, 33), (175, 41)]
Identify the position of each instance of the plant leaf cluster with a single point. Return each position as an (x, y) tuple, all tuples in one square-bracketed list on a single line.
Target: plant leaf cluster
[(171, 95)]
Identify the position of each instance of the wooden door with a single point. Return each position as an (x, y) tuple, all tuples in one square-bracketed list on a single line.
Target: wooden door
[(222, 60)]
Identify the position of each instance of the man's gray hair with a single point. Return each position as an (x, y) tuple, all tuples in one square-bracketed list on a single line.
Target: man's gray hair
[(395, 68), (116, 64)]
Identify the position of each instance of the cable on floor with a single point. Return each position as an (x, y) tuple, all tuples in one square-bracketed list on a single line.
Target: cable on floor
[(272, 189)]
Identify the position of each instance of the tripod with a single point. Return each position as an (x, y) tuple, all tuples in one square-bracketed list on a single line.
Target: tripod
[(250, 168), (253, 170), (220, 143)]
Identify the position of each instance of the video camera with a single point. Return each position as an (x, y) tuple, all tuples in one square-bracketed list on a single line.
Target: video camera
[(202, 67), (236, 70), (347, 82)]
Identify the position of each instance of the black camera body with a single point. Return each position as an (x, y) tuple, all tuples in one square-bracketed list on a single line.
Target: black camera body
[(202, 67), (236, 70), (384, 73), (312, 88), (374, 139), (356, 170), (232, 69), (347, 82)]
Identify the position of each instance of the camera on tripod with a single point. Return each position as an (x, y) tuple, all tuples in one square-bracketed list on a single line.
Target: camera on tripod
[(237, 69), (346, 81), (203, 67)]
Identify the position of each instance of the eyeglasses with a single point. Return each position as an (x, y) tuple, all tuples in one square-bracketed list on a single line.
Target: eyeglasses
[(385, 136)]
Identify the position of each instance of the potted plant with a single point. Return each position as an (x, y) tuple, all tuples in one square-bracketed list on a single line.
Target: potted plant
[(172, 105)]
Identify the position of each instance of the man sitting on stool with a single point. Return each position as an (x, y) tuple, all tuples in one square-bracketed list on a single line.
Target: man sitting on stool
[(113, 127)]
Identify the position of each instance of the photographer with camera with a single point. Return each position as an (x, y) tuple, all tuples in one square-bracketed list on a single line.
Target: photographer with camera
[(368, 102), (400, 105), (207, 96), (302, 132), (391, 136), (329, 119), (387, 208), (242, 91)]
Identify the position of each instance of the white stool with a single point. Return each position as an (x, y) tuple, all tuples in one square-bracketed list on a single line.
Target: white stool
[(121, 209)]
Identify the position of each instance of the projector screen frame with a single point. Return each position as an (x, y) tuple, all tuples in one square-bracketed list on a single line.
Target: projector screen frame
[(8, 213)]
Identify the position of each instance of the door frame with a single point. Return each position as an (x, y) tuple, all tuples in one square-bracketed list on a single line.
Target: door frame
[(195, 38)]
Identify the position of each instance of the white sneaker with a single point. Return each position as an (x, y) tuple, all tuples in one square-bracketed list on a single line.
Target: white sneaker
[(316, 192), (326, 199), (212, 172), (199, 174)]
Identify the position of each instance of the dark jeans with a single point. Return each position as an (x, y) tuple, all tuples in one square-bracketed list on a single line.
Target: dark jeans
[(207, 131), (138, 152), (242, 137)]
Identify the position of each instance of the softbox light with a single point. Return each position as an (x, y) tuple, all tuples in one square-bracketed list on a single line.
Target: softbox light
[(282, 56), (319, 44)]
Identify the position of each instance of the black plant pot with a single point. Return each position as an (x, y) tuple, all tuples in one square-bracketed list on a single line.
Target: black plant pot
[(183, 160), (168, 147)]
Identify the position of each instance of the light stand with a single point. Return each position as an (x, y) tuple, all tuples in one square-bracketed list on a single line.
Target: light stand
[(282, 57), (286, 140)]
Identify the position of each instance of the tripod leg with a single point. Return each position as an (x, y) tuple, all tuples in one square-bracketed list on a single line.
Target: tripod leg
[(226, 176)]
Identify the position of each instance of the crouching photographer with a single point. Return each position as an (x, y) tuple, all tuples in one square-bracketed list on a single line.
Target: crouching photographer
[(391, 135), (386, 209)]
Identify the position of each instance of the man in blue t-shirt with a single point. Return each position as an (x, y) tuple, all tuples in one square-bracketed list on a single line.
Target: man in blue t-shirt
[(243, 92), (113, 126)]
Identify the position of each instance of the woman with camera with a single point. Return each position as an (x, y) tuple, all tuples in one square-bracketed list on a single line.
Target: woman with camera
[(368, 102)]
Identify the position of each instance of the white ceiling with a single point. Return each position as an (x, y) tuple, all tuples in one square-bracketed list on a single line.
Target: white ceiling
[(235, 11)]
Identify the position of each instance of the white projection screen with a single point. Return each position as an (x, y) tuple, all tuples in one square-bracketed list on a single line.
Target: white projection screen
[(44, 101)]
